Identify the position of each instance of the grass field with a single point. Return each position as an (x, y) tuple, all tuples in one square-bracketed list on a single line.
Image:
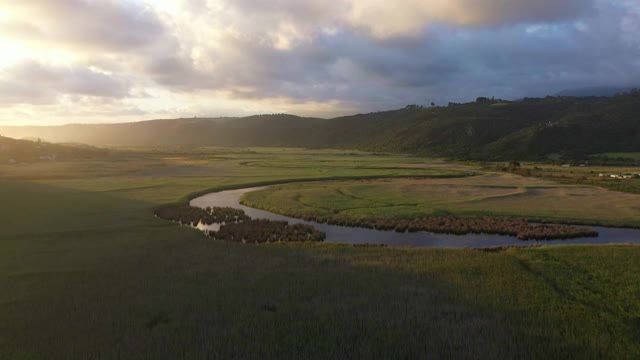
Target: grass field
[(86, 271), (490, 194), (577, 175)]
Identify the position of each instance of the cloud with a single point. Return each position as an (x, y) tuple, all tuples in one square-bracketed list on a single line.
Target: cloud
[(83, 24), (313, 56), (383, 18), (397, 18), (34, 82), (340, 50), (254, 48)]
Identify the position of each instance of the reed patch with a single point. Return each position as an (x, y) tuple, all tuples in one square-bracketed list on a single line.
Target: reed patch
[(267, 231), (236, 225)]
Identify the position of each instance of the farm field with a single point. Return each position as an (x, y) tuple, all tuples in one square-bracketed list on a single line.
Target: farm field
[(493, 194), (87, 271)]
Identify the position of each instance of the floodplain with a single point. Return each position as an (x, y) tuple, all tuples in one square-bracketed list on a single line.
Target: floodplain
[(88, 271)]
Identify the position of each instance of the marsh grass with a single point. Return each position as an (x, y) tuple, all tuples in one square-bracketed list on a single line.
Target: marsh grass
[(190, 215), (492, 195)]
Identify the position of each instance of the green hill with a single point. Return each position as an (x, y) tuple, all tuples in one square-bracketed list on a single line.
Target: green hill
[(17, 151), (486, 129)]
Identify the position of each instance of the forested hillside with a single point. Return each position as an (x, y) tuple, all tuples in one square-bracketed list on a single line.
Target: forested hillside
[(490, 129)]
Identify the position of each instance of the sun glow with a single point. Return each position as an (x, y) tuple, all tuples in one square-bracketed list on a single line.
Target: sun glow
[(12, 53), (15, 52), (17, 46)]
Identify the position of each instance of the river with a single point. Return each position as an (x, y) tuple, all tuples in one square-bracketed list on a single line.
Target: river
[(350, 235)]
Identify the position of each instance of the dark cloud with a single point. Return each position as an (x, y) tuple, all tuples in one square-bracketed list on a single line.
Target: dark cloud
[(406, 18), (500, 12), (327, 56), (407, 14), (538, 48)]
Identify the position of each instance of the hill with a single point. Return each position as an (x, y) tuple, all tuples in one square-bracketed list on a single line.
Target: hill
[(532, 128), (595, 91), (16, 151)]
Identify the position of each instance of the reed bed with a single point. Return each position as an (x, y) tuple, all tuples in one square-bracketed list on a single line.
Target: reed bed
[(267, 231), (463, 225), (186, 214), (236, 225)]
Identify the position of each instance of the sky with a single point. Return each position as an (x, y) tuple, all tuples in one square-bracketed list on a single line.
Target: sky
[(96, 61)]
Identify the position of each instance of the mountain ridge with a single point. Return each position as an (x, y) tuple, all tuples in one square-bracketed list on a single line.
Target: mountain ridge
[(489, 129)]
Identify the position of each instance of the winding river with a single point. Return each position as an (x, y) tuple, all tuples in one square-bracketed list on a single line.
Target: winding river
[(350, 235)]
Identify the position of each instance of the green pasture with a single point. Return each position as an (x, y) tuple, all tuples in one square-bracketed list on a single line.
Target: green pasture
[(588, 175)]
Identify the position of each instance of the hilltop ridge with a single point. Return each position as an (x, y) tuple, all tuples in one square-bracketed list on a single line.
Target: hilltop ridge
[(490, 129)]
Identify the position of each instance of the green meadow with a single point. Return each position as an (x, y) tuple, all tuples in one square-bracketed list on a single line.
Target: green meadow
[(493, 194), (576, 175), (87, 271)]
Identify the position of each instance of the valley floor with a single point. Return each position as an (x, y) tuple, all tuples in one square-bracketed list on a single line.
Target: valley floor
[(86, 271)]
